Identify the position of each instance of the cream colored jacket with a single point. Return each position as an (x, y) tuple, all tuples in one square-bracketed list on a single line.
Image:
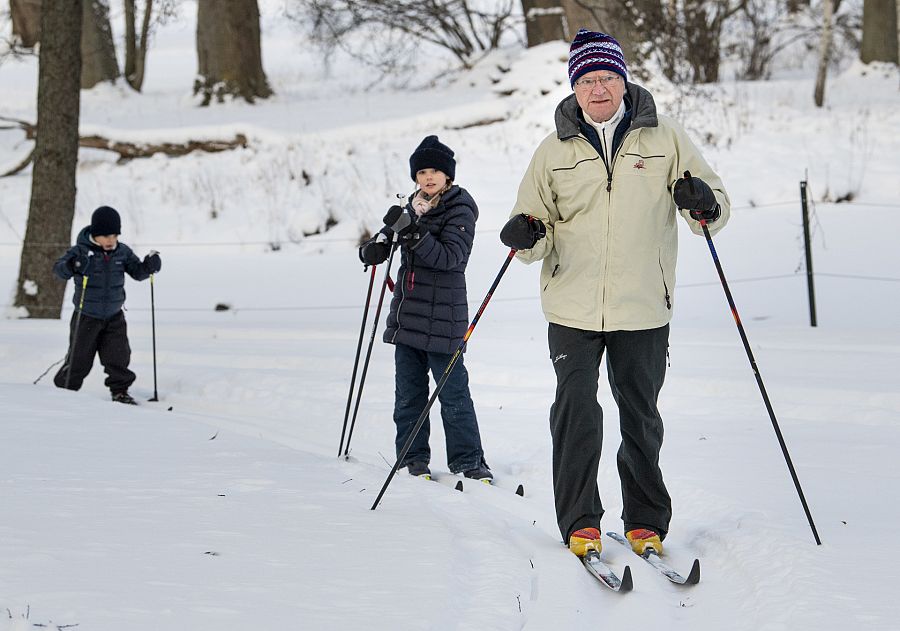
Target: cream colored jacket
[(612, 242)]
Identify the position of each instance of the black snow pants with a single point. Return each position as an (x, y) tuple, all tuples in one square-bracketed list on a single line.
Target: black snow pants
[(106, 338), (636, 366)]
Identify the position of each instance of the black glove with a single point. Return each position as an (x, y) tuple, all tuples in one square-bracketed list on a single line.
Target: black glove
[(695, 195), (403, 224), (375, 251), (78, 263), (522, 232), (152, 262)]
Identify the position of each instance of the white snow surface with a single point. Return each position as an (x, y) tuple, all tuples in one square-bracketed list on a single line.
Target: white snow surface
[(224, 507)]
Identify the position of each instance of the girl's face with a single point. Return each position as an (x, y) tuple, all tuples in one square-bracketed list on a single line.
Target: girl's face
[(431, 181)]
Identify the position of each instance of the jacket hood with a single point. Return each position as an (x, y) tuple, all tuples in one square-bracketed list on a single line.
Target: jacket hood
[(84, 238), (637, 99)]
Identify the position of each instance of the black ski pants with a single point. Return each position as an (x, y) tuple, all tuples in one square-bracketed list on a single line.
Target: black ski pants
[(106, 338), (636, 366)]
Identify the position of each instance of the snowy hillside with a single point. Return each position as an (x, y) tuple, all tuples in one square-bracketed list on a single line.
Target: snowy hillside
[(223, 506)]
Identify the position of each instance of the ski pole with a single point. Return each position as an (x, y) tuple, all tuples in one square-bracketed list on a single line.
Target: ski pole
[(49, 368), (84, 282), (362, 378), (362, 330), (153, 328), (390, 218), (759, 381), (444, 377)]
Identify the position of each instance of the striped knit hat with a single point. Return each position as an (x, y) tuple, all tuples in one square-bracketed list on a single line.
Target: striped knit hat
[(591, 51)]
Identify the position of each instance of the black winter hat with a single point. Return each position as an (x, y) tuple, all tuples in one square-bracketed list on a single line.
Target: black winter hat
[(104, 221), (432, 154)]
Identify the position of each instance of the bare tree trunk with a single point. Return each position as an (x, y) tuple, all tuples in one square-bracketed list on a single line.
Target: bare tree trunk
[(545, 21), (98, 53), (229, 52), (824, 52), (136, 44), (579, 15), (879, 37), (614, 18), (26, 21), (703, 34), (52, 206)]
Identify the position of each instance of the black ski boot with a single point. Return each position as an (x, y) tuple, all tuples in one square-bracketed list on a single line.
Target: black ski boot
[(123, 397)]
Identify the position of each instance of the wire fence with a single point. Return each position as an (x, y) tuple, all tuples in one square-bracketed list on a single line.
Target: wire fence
[(317, 239), (232, 309)]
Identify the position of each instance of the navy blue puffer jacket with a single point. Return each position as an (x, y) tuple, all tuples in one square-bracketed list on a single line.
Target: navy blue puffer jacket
[(429, 310), (105, 293)]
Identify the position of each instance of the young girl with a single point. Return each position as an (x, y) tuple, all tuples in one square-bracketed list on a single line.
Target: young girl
[(429, 311)]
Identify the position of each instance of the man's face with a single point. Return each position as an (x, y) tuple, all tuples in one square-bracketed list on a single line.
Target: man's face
[(599, 93)]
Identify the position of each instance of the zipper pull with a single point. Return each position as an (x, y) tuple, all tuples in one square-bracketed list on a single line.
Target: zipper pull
[(608, 184), (410, 281)]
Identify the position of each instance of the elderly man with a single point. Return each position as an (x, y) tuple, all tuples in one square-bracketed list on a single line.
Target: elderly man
[(598, 206)]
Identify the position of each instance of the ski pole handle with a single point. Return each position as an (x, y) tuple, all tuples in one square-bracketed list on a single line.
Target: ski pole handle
[(690, 181), (84, 280)]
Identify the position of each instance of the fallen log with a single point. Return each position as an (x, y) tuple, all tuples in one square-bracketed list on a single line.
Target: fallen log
[(130, 150)]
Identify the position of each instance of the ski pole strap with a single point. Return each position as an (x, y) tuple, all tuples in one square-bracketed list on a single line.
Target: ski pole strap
[(390, 283)]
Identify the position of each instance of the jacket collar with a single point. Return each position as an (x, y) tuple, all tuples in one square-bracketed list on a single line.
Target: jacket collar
[(84, 239), (642, 106)]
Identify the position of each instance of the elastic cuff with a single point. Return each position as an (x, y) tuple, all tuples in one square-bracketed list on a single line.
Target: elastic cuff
[(632, 525), (418, 242)]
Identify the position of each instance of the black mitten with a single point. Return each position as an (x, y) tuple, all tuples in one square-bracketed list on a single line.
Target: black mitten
[(375, 251), (152, 262), (78, 264), (695, 195), (522, 232)]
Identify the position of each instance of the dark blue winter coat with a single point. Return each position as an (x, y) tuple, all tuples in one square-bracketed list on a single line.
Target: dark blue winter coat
[(429, 310), (105, 293)]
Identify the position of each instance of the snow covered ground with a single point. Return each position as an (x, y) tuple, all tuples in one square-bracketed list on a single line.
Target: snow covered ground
[(224, 507)]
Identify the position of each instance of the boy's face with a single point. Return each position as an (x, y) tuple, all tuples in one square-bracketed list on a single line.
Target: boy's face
[(107, 241), (430, 180)]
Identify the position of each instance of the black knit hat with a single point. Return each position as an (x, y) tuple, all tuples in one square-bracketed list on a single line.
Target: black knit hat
[(432, 154), (104, 221)]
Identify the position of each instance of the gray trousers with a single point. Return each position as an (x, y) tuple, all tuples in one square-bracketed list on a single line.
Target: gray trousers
[(636, 366)]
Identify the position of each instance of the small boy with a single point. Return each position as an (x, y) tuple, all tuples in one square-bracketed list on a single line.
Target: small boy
[(98, 323)]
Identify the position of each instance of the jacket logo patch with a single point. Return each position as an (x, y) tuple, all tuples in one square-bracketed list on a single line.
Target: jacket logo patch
[(559, 358), (639, 165)]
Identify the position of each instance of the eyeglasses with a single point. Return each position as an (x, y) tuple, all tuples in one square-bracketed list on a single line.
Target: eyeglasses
[(588, 84)]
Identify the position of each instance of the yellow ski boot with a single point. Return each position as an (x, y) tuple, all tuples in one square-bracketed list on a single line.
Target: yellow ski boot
[(642, 538), (584, 540)]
